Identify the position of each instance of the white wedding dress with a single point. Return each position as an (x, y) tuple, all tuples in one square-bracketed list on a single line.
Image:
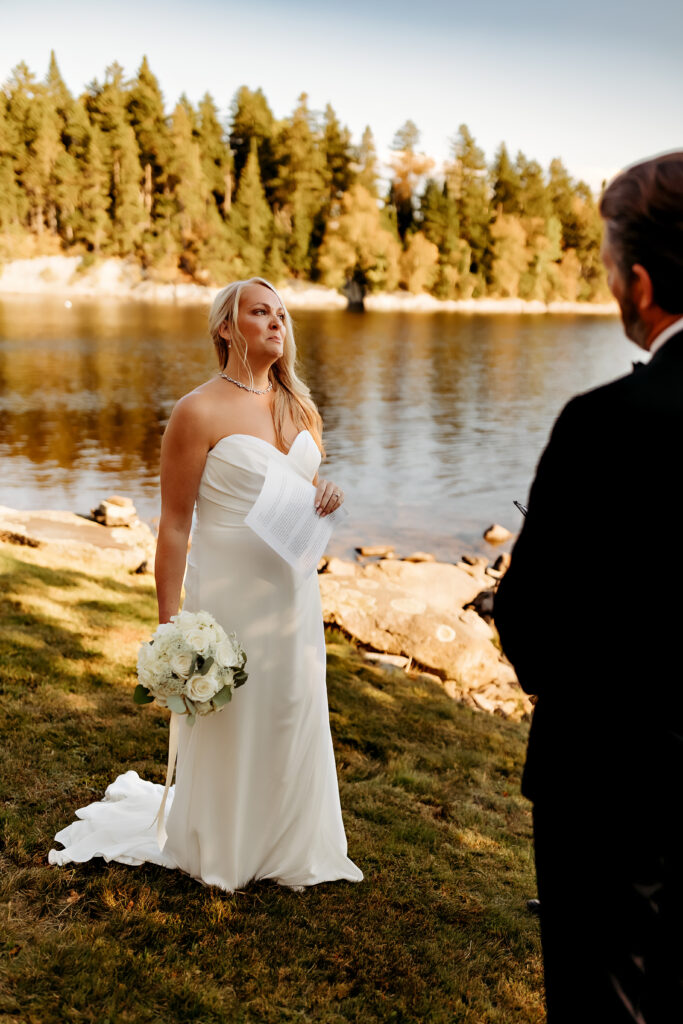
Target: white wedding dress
[(256, 792)]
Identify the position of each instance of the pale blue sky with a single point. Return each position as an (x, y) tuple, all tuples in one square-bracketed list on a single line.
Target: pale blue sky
[(599, 84)]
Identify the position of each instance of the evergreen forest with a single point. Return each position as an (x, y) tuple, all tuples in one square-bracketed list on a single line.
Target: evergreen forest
[(201, 197)]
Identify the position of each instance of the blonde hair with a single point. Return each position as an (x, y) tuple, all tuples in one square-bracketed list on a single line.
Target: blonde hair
[(292, 398)]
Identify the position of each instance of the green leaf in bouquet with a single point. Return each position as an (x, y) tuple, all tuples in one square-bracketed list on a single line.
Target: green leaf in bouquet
[(141, 695), (206, 666), (176, 704), (240, 677), (223, 696)]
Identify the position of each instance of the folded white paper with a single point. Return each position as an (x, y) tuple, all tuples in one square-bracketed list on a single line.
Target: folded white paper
[(284, 517)]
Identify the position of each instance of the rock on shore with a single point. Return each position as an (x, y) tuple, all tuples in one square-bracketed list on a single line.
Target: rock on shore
[(80, 540), (422, 611)]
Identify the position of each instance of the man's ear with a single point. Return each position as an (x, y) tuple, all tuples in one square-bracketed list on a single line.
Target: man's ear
[(642, 291)]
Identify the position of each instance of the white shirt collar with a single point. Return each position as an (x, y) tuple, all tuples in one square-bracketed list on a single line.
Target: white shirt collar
[(667, 333)]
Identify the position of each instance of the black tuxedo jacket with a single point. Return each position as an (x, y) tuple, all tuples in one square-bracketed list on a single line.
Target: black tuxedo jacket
[(590, 612)]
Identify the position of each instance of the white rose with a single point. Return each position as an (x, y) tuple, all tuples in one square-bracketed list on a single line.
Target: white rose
[(225, 654), (183, 620), (150, 671), (204, 687), (164, 631), (198, 639), (181, 662), (161, 701), (206, 621)]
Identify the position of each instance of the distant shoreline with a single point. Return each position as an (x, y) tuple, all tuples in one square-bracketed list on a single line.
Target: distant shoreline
[(62, 277)]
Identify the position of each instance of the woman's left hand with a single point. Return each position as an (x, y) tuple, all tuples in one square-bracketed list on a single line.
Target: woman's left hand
[(328, 497)]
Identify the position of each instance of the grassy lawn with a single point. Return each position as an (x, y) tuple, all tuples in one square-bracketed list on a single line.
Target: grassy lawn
[(437, 932)]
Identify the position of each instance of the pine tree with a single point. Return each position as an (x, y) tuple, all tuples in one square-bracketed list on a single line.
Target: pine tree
[(145, 106), (251, 217), (561, 195), (301, 188), (90, 221), (215, 154), (128, 212), (190, 114), (440, 225), (130, 206), (186, 182), (40, 144), (466, 179), (575, 207), (57, 90), (367, 163), (336, 146), (13, 205), (252, 118), (534, 200), (505, 182), (409, 166)]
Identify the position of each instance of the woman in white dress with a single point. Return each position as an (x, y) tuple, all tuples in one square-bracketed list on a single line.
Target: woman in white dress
[(256, 792)]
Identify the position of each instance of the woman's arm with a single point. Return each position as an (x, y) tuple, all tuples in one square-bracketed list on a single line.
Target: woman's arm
[(183, 454)]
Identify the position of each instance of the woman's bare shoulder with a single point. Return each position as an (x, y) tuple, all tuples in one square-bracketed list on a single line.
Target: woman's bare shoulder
[(197, 409)]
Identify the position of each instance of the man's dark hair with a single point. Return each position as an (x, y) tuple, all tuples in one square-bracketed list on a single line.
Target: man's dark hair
[(643, 208)]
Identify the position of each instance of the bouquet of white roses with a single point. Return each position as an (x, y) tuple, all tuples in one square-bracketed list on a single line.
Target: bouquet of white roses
[(190, 666)]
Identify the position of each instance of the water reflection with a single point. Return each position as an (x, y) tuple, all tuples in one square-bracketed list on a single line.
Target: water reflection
[(433, 423)]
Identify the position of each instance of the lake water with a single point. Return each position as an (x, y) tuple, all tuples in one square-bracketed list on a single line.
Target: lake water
[(434, 423)]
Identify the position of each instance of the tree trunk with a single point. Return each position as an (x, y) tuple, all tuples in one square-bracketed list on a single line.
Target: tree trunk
[(227, 201)]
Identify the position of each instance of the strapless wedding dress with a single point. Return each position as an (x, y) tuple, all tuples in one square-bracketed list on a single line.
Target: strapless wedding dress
[(256, 792)]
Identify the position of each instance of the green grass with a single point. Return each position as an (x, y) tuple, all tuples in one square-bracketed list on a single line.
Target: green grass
[(437, 932)]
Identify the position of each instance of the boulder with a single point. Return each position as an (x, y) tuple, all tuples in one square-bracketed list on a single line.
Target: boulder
[(338, 567), (420, 556), (497, 534), (475, 560), (502, 563), (415, 612), (115, 511), (79, 540), (394, 620), (375, 550), (442, 586), (394, 660)]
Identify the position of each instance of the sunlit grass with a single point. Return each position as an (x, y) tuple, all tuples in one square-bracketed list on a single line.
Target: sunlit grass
[(438, 931)]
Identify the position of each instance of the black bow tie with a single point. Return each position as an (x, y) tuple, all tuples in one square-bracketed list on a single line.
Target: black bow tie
[(639, 366)]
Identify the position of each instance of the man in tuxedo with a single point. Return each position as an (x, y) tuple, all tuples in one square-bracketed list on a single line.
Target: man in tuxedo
[(590, 613)]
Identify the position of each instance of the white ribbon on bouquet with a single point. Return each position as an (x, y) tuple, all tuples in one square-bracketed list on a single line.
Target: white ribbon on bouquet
[(160, 820)]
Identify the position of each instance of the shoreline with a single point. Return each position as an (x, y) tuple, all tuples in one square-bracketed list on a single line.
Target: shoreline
[(61, 277)]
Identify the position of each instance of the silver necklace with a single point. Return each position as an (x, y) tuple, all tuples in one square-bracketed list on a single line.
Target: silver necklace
[(254, 391)]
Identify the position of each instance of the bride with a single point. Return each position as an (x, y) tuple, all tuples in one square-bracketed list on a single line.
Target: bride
[(256, 794)]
